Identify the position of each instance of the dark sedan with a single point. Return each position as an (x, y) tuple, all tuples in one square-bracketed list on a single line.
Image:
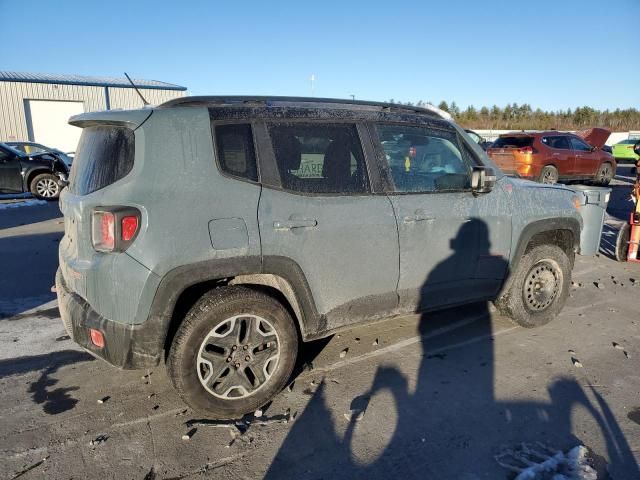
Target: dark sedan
[(38, 173)]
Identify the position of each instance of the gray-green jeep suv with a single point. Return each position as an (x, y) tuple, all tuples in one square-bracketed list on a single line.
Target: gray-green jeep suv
[(217, 234)]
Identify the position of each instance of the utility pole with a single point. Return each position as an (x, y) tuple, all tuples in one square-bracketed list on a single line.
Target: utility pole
[(353, 97)]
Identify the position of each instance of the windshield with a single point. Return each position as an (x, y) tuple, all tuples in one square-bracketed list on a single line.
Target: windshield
[(14, 150)]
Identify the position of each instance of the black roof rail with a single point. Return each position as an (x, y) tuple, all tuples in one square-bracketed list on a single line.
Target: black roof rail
[(282, 101)]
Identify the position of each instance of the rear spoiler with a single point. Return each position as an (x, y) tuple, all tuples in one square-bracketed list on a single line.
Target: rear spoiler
[(122, 118)]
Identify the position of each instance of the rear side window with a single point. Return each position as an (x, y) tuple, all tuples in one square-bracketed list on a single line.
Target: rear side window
[(558, 142), (319, 158), (236, 153), (104, 156), (513, 142)]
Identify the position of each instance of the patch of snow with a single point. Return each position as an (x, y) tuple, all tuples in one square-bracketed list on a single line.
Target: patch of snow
[(26, 203), (11, 196)]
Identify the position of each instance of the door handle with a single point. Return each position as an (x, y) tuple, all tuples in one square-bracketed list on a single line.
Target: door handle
[(291, 224), (418, 216)]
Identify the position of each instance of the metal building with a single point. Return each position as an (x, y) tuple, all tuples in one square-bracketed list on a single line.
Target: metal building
[(36, 106)]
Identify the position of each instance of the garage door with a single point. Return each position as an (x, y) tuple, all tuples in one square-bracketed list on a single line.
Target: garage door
[(47, 120)]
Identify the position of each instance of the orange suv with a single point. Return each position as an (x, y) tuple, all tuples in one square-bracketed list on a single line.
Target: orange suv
[(551, 156)]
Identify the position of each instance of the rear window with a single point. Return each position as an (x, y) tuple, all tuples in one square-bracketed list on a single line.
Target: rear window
[(513, 142), (104, 156)]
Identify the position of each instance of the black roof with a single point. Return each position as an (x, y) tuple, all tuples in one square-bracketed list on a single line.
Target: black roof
[(310, 102)]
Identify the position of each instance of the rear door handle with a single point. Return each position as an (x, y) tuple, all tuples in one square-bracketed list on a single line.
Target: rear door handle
[(419, 216), (291, 224)]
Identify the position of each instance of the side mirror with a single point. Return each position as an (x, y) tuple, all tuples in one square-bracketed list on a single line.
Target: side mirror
[(483, 179)]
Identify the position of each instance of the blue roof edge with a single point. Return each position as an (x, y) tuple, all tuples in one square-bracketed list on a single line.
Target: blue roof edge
[(89, 83)]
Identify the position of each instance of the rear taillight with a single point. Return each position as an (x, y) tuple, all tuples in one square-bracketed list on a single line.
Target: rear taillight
[(129, 227), (104, 231), (114, 229), (527, 150)]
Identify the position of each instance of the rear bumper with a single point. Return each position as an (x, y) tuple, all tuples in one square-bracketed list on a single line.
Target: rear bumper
[(126, 346)]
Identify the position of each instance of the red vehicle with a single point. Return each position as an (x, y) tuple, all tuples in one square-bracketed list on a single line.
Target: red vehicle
[(551, 156)]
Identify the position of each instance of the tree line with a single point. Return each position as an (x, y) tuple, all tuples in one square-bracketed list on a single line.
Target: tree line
[(523, 117)]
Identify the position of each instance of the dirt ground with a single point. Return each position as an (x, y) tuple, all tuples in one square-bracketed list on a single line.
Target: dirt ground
[(437, 396)]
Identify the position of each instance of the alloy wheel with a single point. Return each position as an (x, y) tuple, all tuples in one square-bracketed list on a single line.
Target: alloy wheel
[(549, 176), (47, 187), (238, 356)]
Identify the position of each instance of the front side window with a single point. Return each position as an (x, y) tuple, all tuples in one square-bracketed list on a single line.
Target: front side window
[(421, 159), (579, 145), (559, 142), (319, 158), (236, 154)]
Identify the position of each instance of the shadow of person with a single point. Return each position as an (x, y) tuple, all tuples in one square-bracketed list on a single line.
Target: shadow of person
[(450, 424)]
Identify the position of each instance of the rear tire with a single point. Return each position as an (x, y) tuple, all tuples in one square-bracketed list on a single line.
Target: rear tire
[(549, 174), (539, 287), (622, 243), (45, 186), (604, 174), (234, 351)]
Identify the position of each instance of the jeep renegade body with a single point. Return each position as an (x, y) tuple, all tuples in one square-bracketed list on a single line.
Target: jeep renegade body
[(217, 233)]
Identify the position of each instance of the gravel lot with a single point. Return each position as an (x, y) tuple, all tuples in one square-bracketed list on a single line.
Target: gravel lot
[(436, 396)]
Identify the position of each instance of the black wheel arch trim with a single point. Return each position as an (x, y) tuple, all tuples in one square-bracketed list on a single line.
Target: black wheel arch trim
[(541, 226), (155, 329)]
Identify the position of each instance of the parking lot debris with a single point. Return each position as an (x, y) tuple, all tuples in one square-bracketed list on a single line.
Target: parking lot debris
[(103, 399), (29, 468), (538, 462), (99, 440), (617, 345), (291, 385), (151, 474), (189, 434), (62, 338), (311, 389), (576, 362), (357, 339), (354, 415), (182, 412), (344, 352), (155, 407), (375, 342), (599, 285), (258, 413), (151, 395)]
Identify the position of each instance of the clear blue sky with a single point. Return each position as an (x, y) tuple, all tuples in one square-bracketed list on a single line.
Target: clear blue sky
[(552, 54)]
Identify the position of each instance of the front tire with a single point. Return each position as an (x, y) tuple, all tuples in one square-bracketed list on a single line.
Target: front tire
[(539, 287), (45, 186), (234, 351)]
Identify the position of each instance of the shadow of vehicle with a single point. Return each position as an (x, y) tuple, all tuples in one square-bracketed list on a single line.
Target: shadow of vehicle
[(29, 264), (53, 401), (453, 422)]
